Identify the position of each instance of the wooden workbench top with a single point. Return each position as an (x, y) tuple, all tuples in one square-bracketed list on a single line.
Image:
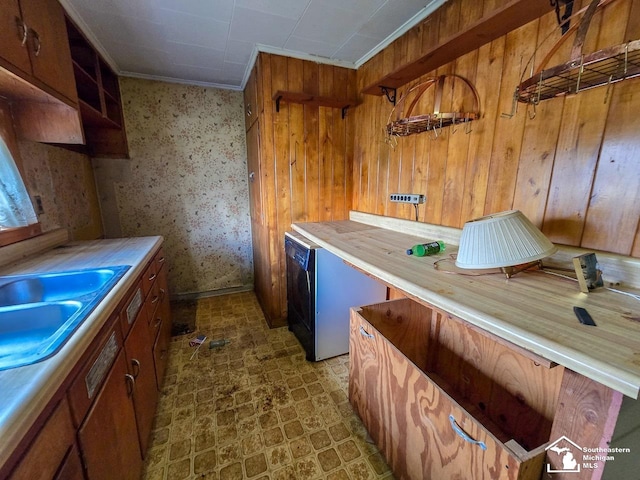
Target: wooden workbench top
[(533, 309)]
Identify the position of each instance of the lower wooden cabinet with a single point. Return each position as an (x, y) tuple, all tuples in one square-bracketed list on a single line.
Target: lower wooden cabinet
[(71, 468), (100, 430), (47, 454), (108, 437), (142, 377), (442, 400)]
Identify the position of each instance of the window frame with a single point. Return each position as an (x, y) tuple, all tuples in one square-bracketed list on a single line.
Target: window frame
[(14, 235), (17, 234)]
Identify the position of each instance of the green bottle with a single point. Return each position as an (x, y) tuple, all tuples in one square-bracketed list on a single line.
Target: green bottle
[(423, 249)]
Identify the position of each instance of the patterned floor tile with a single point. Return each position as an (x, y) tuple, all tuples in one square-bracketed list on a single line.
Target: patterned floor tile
[(255, 408)]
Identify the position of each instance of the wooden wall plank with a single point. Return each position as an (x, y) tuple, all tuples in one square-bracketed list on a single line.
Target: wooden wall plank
[(325, 152), (490, 59), (507, 141), (542, 124), (459, 141), (296, 160), (613, 215)]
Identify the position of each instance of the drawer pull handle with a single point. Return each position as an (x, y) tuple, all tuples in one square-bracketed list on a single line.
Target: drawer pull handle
[(155, 299), (364, 333), (161, 260), (462, 434), (152, 277), (136, 368), (131, 383), (23, 31)]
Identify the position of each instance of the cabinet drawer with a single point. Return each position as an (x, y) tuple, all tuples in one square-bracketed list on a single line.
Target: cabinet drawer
[(441, 400), (149, 276), (86, 385), (133, 308)]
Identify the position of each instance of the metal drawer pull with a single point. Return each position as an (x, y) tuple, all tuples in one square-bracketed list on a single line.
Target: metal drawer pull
[(462, 434), (152, 277), (364, 333), (136, 368), (23, 31), (37, 44), (131, 383)]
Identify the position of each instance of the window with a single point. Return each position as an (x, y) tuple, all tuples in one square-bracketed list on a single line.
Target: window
[(18, 220)]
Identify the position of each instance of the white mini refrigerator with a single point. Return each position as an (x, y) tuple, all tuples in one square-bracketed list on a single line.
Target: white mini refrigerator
[(321, 289)]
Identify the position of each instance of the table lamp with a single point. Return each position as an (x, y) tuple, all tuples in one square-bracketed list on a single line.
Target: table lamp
[(506, 240)]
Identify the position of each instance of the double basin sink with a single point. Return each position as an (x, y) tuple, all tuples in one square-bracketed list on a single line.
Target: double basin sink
[(40, 312)]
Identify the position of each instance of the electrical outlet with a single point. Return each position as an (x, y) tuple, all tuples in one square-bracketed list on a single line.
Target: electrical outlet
[(38, 202), (414, 198)]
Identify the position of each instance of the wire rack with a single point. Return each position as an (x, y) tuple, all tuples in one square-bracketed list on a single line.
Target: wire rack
[(603, 67), (412, 124)]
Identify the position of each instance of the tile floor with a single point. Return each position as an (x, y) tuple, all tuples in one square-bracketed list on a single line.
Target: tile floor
[(255, 408)]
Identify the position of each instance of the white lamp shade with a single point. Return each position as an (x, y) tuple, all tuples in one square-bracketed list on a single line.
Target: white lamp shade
[(502, 239)]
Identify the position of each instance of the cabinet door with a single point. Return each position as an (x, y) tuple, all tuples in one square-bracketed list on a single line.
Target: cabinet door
[(48, 450), (13, 44), (49, 46), (161, 346), (71, 468), (109, 438), (161, 328), (250, 101), (140, 365)]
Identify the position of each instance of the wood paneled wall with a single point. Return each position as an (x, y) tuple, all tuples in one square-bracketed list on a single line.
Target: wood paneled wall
[(572, 165), (306, 153)]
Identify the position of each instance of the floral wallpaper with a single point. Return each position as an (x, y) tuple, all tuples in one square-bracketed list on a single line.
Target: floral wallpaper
[(186, 180), (64, 181)]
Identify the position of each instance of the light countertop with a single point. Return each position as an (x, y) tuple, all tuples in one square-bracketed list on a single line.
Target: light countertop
[(27, 390), (533, 309)]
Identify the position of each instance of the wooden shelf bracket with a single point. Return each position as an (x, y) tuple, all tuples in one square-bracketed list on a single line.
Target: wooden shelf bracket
[(390, 93)]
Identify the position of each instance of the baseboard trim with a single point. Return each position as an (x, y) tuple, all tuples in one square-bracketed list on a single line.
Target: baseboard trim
[(184, 297)]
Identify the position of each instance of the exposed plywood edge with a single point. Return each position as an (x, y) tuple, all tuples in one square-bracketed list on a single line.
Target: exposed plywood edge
[(18, 251), (494, 25)]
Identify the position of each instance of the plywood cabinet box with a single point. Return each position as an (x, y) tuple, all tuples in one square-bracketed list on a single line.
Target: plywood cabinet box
[(442, 400), (36, 74), (110, 397)]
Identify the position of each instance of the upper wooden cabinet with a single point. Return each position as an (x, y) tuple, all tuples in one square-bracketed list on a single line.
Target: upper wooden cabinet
[(98, 96), (252, 101), (34, 41), (36, 75)]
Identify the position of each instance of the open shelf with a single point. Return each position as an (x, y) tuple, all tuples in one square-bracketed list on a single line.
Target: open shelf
[(313, 100), (98, 97), (92, 117)]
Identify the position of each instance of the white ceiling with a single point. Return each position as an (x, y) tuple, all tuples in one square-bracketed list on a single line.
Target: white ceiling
[(215, 42)]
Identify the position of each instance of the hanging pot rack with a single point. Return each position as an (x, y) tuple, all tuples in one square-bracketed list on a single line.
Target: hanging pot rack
[(409, 125), (581, 72)]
